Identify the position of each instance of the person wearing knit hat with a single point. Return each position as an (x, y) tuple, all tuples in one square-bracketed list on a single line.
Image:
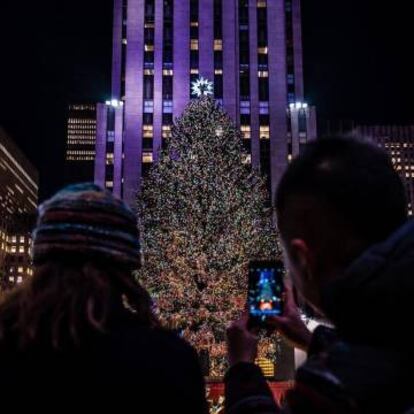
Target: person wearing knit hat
[(85, 220), (82, 327)]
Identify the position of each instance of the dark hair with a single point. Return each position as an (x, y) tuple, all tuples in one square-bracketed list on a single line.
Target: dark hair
[(67, 299), (354, 180)]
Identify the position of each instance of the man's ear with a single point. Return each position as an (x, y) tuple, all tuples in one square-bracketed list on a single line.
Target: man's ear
[(301, 256)]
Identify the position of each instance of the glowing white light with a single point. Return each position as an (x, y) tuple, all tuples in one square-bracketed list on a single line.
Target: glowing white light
[(114, 103), (201, 87), (298, 105)]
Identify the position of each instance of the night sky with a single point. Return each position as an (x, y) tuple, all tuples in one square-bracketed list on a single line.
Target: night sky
[(358, 65)]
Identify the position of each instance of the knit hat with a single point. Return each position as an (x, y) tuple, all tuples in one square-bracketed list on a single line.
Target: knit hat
[(84, 220)]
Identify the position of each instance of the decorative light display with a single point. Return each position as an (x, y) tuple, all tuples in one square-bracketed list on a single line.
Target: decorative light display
[(203, 216), (202, 87)]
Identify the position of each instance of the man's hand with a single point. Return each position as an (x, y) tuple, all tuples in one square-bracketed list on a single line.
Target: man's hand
[(290, 325), (241, 342)]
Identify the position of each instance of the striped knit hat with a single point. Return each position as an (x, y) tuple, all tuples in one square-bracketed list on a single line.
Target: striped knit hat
[(84, 220)]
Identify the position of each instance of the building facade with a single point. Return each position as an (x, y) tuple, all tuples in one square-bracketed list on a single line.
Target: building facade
[(80, 143), (250, 51), (18, 204), (397, 140)]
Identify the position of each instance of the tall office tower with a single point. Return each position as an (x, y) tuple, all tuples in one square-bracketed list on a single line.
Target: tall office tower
[(18, 203), (250, 51), (80, 143), (396, 140)]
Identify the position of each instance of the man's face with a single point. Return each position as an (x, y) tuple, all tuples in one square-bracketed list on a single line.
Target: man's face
[(298, 260)]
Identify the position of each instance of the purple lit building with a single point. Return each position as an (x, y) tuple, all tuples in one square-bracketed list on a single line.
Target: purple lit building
[(250, 49)]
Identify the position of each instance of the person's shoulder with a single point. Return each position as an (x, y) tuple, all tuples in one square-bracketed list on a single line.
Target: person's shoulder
[(355, 374), (153, 338)]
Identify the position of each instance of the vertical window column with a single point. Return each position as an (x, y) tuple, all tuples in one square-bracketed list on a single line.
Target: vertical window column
[(230, 56), (290, 53), (124, 47), (218, 50), (148, 85), (206, 20), (168, 70), (163, 42), (244, 70), (194, 42)]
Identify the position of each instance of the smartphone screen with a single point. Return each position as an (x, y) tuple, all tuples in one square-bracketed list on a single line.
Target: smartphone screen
[(265, 289)]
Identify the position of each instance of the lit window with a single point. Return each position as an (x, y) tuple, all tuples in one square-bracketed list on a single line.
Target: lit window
[(19, 279), (148, 131), (109, 184), (218, 45), (264, 132), (149, 72), (261, 3), (167, 107), (21, 249), (147, 157), (109, 159), (245, 131), (264, 108), (168, 72), (149, 48), (245, 107), (218, 72), (148, 107), (20, 269), (263, 74), (194, 71), (22, 239), (194, 24), (263, 50), (166, 131), (194, 44), (13, 249)]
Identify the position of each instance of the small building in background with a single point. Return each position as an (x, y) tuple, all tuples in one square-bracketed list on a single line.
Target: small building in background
[(19, 185), (80, 143), (397, 140)]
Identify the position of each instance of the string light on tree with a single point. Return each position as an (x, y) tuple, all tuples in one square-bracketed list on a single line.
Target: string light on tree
[(203, 216), (202, 87)]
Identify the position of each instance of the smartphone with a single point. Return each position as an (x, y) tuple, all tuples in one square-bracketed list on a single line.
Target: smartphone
[(265, 290)]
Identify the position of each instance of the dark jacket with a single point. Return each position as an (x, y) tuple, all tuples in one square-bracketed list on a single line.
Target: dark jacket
[(365, 365), (131, 369)]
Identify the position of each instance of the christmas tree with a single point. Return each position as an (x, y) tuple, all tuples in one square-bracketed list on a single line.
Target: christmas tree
[(203, 214)]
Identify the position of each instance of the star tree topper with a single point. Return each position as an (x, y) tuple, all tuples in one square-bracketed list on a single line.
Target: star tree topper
[(202, 87)]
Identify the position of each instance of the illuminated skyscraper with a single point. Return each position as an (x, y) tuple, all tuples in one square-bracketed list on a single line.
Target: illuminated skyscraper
[(396, 140), (251, 52), (18, 203), (80, 143)]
